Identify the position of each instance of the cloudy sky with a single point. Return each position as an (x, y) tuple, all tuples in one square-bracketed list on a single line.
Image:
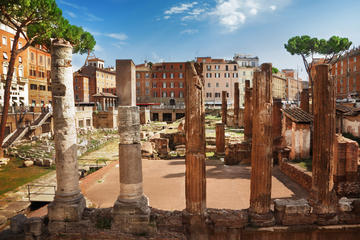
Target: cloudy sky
[(172, 30)]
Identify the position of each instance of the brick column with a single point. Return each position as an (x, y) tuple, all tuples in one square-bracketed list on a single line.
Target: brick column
[(220, 139), (304, 100), (277, 105), (262, 142), (69, 203), (195, 179), (322, 192), (224, 107), (131, 212), (247, 112), (236, 104)]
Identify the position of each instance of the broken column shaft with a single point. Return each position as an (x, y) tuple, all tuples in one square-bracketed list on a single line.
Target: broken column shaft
[(69, 203), (224, 107), (247, 112), (195, 179), (323, 195), (131, 211), (261, 154), (220, 139), (304, 100), (236, 104)]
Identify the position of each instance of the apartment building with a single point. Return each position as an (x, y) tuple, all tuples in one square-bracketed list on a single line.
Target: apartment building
[(293, 84), (39, 65), (346, 72), (247, 65), (19, 92), (220, 75), (100, 80), (279, 85)]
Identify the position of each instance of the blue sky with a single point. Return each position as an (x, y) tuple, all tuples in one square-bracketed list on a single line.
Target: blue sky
[(160, 30)]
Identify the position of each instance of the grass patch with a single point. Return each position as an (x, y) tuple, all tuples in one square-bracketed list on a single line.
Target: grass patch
[(14, 175), (212, 117), (304, 163)]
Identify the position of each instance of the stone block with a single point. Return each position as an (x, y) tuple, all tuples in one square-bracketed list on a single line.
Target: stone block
[(293, 212), (28, 163), (17, 223), (345, 205), (66, 211), (34, 226), (161, 146)]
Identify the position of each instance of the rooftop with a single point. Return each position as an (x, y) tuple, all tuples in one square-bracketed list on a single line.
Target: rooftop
[(298, 115)]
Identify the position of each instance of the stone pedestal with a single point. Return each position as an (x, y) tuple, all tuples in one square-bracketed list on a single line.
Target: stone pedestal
[(195, 174), (68, 204), (224, 107), (262, 142), (236, 104), (322, 192), (220, 139)]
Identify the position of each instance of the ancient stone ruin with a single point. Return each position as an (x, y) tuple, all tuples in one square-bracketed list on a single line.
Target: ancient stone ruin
[(131, 217)]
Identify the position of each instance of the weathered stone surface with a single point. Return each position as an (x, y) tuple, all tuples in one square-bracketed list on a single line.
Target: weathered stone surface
[(220, 139), (248, 112), (126, 83), (17, 223), (34, 227), (293, 212), (28, 163), (345, 204), (128, 124), (68, 203), (195, 180), (161, 146), (304, 100), (262, 148), (236, 104), (224, 107), (323, 194), (147, 149), (232, 154)]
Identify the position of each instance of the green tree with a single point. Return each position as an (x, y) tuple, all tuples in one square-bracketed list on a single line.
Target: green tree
[(37, 21), (307, 47), (275, 70)]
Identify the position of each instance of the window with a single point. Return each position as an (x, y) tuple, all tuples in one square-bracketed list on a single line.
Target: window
[(354, 68), (42, 87), (164, 94), (49, 88), (154, 75), (32, 71), (164, 84), (21, 71), (155, 94), (33, 86), (227, 84), (5, 67), (11, 43), (209, 84), (227, 94), (341, 71), (181, 85), (217, 84), (5, 55), (137, 75), (354, 59), (354, 84), (235, 67), (226, 68), (33, 103), (172, 85), (76, 88), (4, 40), (32, 56), (20, 59), (172, 94), (244, 73), (181, 94), (147, 84), (20, 45), (137, 83), (180, 74), (171, 75), (41, 60), (217, 95), (208, 67), (147, 92), (164, 75), (154, 84), (146, 75), (181, 66), (208, 95)]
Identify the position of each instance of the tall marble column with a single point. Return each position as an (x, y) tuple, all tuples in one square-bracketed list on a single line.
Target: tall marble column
[(224, 107), (69, 203), (262, 147), (236, 104), (131, 211), (322, 191)]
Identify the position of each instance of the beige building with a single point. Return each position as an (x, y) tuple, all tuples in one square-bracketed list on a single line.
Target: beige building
[(293, 84), (220, 75), (279, 85)]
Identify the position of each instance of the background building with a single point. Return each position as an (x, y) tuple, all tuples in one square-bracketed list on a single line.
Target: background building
[(220, 75), (279, 85)]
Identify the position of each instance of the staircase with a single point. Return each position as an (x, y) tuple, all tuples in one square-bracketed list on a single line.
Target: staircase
[(19, 133)]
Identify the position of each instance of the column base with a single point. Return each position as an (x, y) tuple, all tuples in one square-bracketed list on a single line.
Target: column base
[(262, 220), (66, 210), (131, 216), (195, 226)]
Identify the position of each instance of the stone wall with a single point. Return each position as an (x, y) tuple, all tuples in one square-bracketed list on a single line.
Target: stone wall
[(84, 117), (351, 124), (296, 173), (105, 119)]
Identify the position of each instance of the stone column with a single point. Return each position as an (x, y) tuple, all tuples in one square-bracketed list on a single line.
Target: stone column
[(262, 142), (247, 112), (69, 203), (131, 212), (224, 107), (304, 100), (220, 139), (322, 192), (195, 179), (277, 105), (236, 104)]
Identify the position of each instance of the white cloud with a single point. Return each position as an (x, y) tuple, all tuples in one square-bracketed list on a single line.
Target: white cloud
[(73, 5), (119, 44), (156, 58), (166, 17), (117, 36), (189, 31), (234, 13), (71, 14), (180, 9), (98, 48), (92, 18)]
